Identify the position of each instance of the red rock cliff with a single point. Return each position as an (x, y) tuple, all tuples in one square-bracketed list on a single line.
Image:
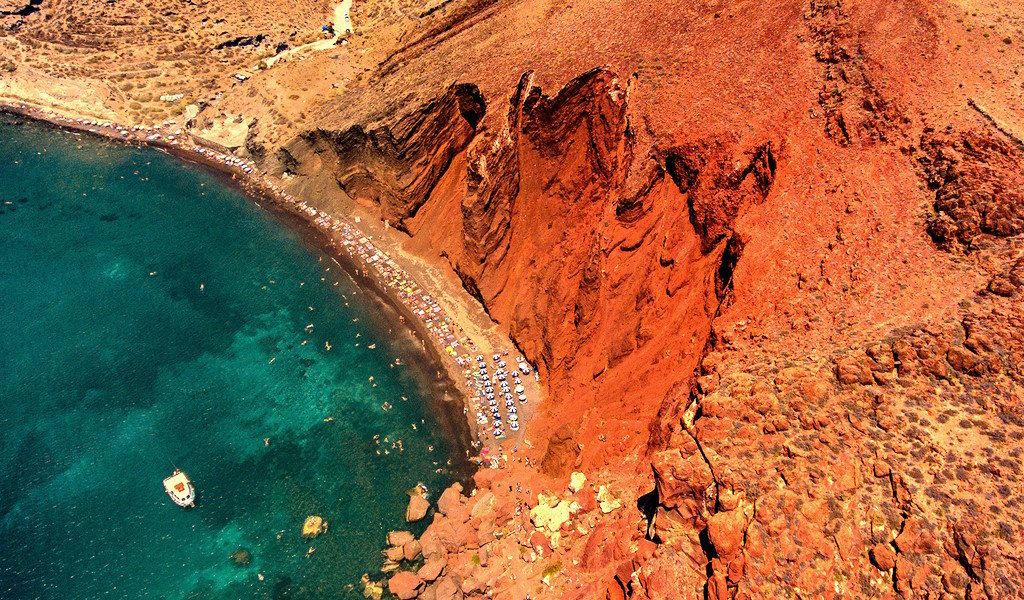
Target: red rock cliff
[(604, 253)]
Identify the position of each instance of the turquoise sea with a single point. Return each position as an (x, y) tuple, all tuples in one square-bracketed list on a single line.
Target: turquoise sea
[(153, 317)]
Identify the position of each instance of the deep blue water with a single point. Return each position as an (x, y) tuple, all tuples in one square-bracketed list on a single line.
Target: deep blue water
[(152, 316)]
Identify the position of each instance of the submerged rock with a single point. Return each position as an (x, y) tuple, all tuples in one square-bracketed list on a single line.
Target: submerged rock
[(241, 557), (371, 589)]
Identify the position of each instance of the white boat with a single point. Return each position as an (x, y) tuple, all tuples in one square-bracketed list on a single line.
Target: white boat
[(179, 487)]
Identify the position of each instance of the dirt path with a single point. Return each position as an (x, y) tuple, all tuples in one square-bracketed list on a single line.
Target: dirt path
[(342, 26)]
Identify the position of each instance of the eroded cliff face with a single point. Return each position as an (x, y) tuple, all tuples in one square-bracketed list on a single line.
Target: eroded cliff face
[(604, 250), (624, 262), (395, 167)]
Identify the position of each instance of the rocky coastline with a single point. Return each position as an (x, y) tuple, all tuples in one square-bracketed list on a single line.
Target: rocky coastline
[(450, 390), (354, 251), (768, 259)]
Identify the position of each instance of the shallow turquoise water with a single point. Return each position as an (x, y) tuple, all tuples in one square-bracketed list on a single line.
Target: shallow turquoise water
[(152, 317)]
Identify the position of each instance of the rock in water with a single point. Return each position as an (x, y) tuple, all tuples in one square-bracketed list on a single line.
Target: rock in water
[(418, 506), (405, 585), (241, 557), (313, 526), (371, 589), (399, 538)]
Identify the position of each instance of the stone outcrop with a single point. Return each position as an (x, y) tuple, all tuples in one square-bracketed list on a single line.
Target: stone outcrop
[(405, 585), (855, 110), (417, 509), (978, 178)]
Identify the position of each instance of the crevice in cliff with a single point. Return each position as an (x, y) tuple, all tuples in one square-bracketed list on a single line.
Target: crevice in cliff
[(724, 274), (683, 174), (716, 190)]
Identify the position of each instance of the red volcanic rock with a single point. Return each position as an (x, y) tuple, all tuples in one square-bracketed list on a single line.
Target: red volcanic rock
[(418, 507), (906, 541), (560, 454), (883, 556), (431, 569), (847, 539), (726, 532), (902, 574), (613, 590), (586, 498), (977, 180), (441, 537), (602, 548), (405, 585), (645, 550), (965, 361), (540, 543), (853, 369), (482, 504), (450, 499), (686, 492), (472, 585), (484, 477), (432, 546), (659, 583), (400, 538), (448, 589), (412, 550), (485, 532)]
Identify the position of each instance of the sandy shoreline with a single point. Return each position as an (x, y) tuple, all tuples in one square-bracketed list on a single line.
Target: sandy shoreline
[(451, 350)]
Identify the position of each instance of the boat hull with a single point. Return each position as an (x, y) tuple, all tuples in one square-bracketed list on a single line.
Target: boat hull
[(179, 487)]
